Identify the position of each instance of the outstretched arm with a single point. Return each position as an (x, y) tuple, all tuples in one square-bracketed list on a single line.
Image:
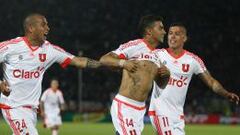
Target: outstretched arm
[(112, 60), (84, 62), (213, 84)]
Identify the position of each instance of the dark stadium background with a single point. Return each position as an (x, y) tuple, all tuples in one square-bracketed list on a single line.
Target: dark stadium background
[(98, 26)]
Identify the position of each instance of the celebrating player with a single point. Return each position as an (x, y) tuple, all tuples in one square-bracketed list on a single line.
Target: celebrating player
[(128, 107), (166, 109), (25, 59)]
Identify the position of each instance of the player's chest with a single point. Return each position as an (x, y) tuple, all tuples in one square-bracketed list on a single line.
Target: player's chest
[(28, 58), (179, 66), (52, 98)]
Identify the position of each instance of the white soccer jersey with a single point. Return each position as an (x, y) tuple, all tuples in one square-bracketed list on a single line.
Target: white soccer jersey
[(150, 57), (171, 100), (133, 49), (23, 69), (52, 100)]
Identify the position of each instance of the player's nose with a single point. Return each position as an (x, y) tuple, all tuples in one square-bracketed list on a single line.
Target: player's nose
[(47, 28)]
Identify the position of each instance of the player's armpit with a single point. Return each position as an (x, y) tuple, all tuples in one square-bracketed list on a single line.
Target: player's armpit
[(83, 62)]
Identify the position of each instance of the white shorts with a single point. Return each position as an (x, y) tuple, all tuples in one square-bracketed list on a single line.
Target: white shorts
[(22, 120), (52, 119), (127, 115), (167, 126)]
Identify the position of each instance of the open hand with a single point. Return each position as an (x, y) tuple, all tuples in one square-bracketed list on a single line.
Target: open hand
[(130, 65), (4, 88), (163, 71), (233, 97)]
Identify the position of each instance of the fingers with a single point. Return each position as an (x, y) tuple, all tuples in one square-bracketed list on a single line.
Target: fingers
[(5, 86), (5, 82), (131, 66), (234, 98), (134, 68), (163, 72)]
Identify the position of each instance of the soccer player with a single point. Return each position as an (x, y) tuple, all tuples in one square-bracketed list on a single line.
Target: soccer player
[(166, 109), (25, 59), (51, 105), (128, 107)]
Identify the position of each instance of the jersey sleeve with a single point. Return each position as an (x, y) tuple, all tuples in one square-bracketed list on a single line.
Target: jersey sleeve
[(125, 50), (61, 99), (4, 50), (44, 96), (61, 56), (122, 52), (199, 66)]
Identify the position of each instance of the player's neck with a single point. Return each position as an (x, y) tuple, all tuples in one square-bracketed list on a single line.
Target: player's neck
[(176, 51), (32, 41), (54, 90), (151, 42)]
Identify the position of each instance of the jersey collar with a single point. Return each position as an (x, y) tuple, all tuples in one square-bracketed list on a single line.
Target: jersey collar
[(148, 45), (170, 52), (30, 46)]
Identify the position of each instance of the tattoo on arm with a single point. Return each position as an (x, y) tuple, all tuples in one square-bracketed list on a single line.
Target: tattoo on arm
[(218, 88), (213, 83), (92, 63)]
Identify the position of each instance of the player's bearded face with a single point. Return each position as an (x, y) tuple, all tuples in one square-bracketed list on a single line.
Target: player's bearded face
[(41, 29), (158, 31), (176, 37)]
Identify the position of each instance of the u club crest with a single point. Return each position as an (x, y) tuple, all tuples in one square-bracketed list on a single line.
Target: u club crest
[(42, 57), (185, 67)]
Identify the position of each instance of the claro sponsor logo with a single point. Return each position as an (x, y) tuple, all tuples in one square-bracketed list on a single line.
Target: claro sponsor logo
[(177, 82), (21, 73)]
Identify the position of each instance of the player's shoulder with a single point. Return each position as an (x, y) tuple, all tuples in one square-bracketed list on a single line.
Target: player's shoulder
[(59, 92), (47, 91), (193, 56), (159, 50), (53, 46), (11, 42), (131, 43)]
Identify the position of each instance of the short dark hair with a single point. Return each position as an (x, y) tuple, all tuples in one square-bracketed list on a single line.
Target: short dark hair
[(30, 20), (147, 21), (179, 24)]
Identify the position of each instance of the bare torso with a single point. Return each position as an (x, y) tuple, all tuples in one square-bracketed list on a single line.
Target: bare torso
[(137, 85)]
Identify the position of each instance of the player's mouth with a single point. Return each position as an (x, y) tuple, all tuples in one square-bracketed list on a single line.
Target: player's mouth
[(45, 35), (173, 41)]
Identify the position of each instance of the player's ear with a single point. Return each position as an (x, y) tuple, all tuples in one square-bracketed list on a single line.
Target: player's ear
[(30, 28), (149, 31), (185, 38)]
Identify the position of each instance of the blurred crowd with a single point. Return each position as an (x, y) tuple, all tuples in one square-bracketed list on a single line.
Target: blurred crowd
[(96, 27)]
